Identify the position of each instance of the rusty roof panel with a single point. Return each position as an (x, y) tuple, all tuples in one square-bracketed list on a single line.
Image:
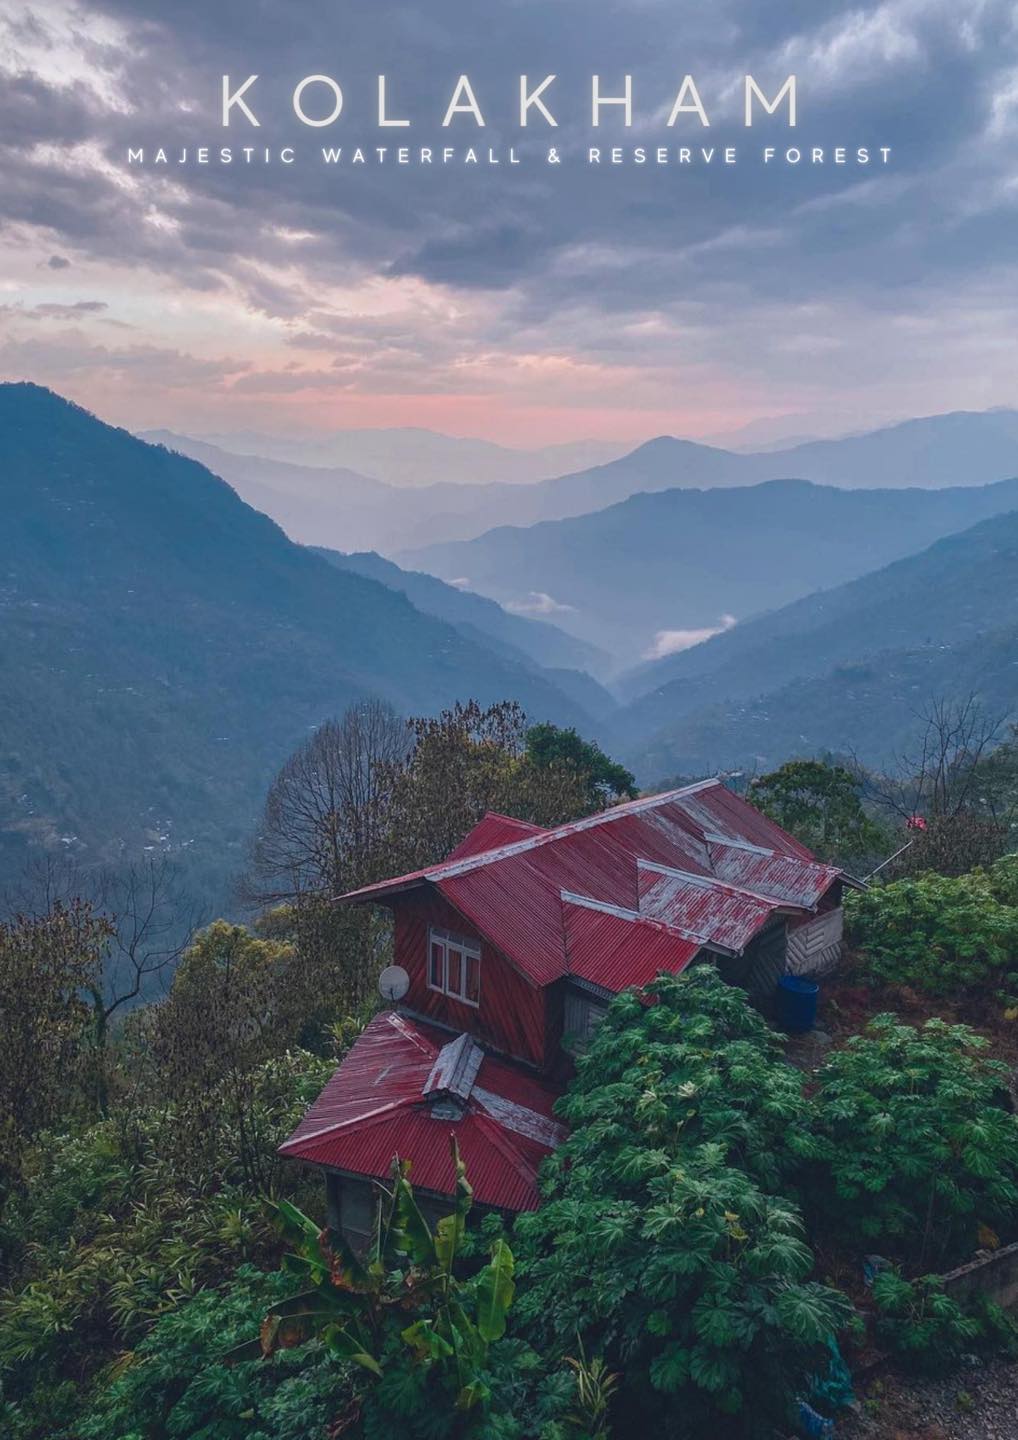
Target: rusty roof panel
[(721, 914), (378, 1105), (512, 892), (783, 877)]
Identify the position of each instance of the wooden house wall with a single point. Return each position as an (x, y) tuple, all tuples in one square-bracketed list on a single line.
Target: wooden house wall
[(511, 1015)]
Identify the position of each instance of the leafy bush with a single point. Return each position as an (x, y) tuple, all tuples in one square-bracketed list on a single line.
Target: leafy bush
[(110, 1234), (700, 1064), (928, 1331), (914, 1148), (941, 934), (1003, 880), (177, 1383), (658, 1244), (422, 1340)]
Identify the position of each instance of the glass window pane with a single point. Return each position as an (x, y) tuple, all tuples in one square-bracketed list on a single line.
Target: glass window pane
[(454, 983), (473, 986), (436, 976)]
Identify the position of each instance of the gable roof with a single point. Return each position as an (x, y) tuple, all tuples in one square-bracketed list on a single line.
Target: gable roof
[(518, 891), (405, 1087), (490, 833)]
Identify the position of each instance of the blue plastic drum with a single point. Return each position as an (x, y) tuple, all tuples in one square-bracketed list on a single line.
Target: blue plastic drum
[(797, 1003)]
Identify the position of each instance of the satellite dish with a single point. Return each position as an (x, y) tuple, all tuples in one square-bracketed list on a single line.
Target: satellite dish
[(393, 983)]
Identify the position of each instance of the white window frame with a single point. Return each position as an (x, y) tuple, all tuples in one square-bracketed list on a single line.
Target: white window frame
[(469, 949)]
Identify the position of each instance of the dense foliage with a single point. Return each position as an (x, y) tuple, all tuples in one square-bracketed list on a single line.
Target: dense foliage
[(428, 1343), (821, 805), (942, 934), (664, 1240), (916, 1149), (927, 1330), (115, 1229)]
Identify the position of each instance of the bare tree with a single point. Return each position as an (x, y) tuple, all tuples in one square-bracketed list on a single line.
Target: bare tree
[(326, 812), (937, 789), (147, 923), (955, 739)]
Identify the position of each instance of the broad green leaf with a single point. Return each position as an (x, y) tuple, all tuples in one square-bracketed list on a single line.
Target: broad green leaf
[(495, 1290)]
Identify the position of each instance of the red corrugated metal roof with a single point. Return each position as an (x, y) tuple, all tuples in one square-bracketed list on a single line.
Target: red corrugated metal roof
[(616, 949), (491, 832), (513, 891), (719, 913), (378, 1105)]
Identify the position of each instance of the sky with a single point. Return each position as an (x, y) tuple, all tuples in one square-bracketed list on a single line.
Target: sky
[(525, 304)]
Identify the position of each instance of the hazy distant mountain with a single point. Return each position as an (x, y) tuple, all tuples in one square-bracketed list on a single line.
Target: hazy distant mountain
[(166, 646), (517, 638), (680, 560), (338, 507), (845, 668), (414, 457), (345, 510), (963, 448)]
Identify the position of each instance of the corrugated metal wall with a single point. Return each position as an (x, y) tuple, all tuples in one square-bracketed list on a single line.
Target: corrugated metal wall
[(511, 1014)]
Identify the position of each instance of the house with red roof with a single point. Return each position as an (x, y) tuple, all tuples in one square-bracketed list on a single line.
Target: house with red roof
[(512, 948)]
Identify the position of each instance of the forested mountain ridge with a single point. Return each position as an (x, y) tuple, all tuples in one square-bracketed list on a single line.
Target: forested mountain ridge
[(169, 646), (522, 637), (845, 668), (683, 559)]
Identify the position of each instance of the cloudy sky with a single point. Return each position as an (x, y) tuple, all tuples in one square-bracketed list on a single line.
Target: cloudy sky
[(526, 304)]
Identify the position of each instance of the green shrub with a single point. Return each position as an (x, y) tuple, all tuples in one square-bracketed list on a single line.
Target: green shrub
[(111, 1233), (658, 1244), (1003, 880), (928, 1331), (177, 1383), (914, 1148), (938, 933), (700, 1064), (423, 1341)]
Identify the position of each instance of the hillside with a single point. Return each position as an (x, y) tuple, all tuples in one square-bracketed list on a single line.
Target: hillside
[(515, 636), (170, 646), (681, 559), (844, 668), (342, 507)]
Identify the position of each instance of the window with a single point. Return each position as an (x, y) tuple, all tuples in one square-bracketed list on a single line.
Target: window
[(583, 1015), (454, 966)]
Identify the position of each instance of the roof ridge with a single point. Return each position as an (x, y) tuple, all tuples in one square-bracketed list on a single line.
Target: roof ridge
[(370, 1117), (455, 868), (635, 917), (712, 881), (512, 819)]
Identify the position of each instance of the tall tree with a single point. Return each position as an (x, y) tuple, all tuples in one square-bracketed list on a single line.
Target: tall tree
[(47, 964), (821, 805), (236, 1002), (326, 813), (471, 759)]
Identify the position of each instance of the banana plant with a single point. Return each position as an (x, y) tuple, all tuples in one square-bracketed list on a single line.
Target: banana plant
[(355, 1304)]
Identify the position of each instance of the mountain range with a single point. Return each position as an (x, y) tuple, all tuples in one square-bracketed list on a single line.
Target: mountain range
[(537, 640), (166, 646), (412, 457), (348, 508), (653, 568), (848, 669)]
